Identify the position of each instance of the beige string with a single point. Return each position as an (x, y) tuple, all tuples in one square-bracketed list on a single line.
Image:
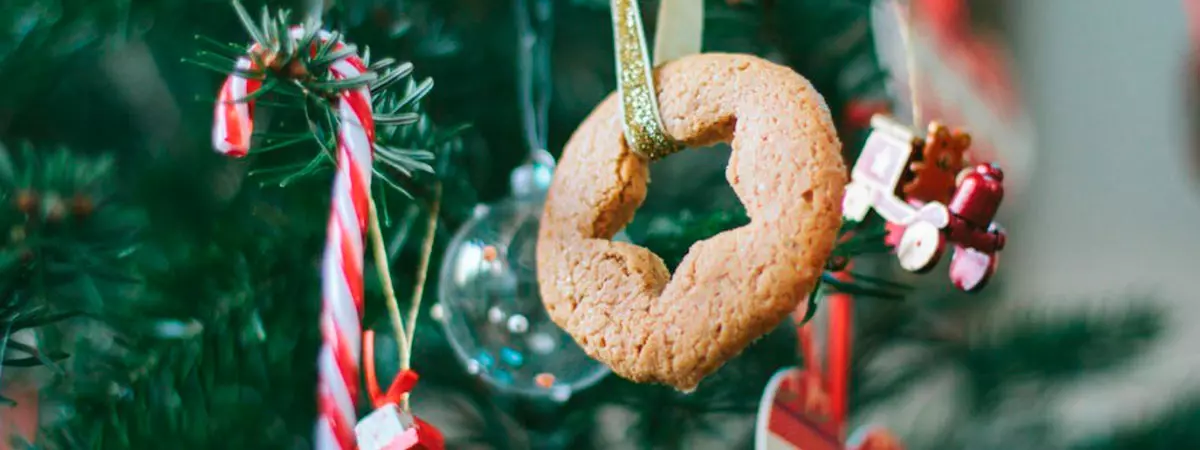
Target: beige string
[(910, 59)]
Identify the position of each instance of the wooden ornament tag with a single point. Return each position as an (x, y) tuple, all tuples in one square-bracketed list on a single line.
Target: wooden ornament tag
[(387, 428)]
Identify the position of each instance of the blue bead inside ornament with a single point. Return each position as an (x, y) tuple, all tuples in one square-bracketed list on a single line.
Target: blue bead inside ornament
[(503, 376), (512, 357), (486, 360)]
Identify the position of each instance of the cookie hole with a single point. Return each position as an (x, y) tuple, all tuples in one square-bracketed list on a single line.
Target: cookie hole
[(693, 179), (807, 196), (688, 188)]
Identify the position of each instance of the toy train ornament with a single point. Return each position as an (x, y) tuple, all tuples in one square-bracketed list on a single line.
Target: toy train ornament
[(922, 188)]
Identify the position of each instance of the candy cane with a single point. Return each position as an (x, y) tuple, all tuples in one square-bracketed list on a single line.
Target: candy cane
[(342, 264)]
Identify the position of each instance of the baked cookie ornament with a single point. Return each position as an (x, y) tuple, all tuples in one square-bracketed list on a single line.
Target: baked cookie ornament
[(618, 300)]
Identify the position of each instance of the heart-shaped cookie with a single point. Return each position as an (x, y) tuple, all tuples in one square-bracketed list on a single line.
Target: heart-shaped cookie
[(618, 300)]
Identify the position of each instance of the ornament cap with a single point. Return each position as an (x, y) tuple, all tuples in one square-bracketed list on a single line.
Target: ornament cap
[(532, 179)]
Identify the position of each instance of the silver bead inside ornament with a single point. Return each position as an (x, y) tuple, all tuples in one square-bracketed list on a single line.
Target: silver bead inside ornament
[(518, 324), (495, 315)]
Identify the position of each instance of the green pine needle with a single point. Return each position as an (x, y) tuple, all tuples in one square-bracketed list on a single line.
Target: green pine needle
[(388, 181), (36, 358), (379, 66), (226, 47), (416, 93), (390, 76), (225, 69), (248, 24), (325, 60), (343, 84), (397, 119), (327, 45), (310, 168), (270, 145)]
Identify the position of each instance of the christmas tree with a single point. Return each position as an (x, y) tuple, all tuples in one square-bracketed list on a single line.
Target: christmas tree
[(157, 293)]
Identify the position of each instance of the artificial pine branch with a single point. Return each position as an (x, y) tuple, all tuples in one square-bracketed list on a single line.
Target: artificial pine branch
[(1003, 363), (295, 78), (1172, 429), (39, 38), (230, 308), (66, 246)]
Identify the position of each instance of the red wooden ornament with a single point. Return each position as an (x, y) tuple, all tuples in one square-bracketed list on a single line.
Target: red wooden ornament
[(804, 408), (785, 420)]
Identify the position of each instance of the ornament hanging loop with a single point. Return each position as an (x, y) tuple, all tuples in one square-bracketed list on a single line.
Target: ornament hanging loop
[(640, 117), (534, 20), (532, 179)]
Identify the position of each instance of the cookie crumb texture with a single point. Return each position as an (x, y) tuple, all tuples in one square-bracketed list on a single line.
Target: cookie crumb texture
[(618, 300)]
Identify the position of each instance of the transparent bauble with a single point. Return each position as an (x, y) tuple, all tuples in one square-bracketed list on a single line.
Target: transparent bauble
[(490, 307)]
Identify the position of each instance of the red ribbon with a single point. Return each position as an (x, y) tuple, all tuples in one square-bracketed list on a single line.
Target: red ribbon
[(812, 379), (828, 391), (841, 322), (858, 113), (981, 58), (403, 384)]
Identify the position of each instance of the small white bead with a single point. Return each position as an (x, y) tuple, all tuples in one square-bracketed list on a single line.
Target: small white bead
[(518, 324), (480, 210), (541, 343), (560, 393)]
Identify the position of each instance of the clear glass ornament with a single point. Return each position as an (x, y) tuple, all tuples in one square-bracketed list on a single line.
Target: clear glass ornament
[(489, 304)]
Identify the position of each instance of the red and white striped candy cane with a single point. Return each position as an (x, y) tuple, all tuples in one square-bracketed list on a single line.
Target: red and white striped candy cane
[(342, 265)]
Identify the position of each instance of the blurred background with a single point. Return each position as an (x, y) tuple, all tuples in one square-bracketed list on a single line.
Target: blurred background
[(1109, 91), (156, 292)]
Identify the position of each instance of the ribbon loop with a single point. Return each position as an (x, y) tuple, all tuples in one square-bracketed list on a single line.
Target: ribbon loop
[(401, 386), (642, 122)]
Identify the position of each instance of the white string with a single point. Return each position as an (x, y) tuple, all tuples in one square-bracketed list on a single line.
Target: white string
[(534, 29), (910, 59)]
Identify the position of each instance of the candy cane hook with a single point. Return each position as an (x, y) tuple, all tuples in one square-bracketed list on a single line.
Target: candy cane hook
[(342, 263)]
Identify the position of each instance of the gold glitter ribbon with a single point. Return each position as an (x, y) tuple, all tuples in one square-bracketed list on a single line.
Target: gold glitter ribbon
[(680, 29), (644, 130)]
